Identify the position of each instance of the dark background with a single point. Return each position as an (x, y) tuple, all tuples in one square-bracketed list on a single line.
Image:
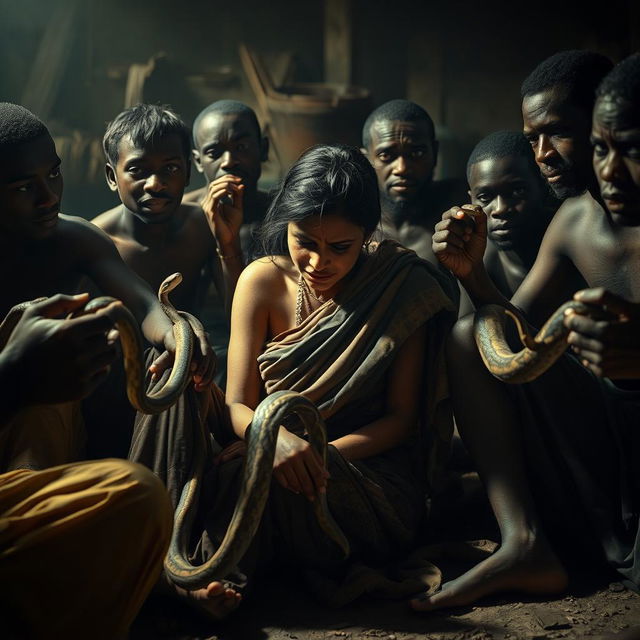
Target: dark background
[(463, 61)]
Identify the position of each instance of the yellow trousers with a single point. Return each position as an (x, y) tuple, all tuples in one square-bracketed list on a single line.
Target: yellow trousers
[(81, 546)]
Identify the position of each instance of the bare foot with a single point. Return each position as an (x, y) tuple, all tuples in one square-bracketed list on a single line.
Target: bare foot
[(215, 600), (529, 568)]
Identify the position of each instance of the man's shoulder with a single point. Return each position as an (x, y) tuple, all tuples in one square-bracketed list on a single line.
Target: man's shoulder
[(194, 196), (107, 220), (79, 235), (584, 204)]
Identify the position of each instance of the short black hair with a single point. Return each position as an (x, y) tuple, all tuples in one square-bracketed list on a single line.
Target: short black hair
[(623, 81), (17, 126), (576, 71), (501, 144), (400, 110), (144, 124), (227, 107)]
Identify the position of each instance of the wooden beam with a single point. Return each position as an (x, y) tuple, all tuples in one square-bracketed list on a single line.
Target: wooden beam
[(338, 41)]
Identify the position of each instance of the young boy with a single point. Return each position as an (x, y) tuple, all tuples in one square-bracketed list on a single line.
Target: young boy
[(504, 180), (148, 151)]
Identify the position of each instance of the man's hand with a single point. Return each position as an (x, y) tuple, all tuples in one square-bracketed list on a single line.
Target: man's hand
[(203, 364), (298, 467), (223, 207), (460, 238), (609, 342), (58, 360)]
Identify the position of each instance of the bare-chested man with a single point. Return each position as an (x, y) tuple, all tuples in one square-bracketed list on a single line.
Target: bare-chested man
[(504, 180), (559, 455), (399, 139), (229, 149), (46, 253), (148, 163)]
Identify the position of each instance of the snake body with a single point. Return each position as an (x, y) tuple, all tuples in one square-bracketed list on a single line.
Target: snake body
[(262, 437), (132, 349), (539, 352), (261, 443)]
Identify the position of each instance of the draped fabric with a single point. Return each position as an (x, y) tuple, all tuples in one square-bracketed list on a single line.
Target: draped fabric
[(340, 358)]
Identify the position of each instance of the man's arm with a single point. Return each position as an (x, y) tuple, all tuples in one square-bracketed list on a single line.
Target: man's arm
[(459, 243), (100, 260), (223, 209)]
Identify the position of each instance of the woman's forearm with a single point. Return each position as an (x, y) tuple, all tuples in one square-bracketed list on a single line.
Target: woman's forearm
[(379, 436)]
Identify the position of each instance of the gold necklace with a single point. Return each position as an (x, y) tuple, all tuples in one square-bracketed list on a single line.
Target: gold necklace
[(303, 303)]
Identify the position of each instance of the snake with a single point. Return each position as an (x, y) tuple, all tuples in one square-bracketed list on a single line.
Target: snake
[(261, 439), (261, 442), (540, 351)]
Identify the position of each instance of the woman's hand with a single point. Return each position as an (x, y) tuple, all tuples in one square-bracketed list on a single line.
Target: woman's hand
[(297, 466)]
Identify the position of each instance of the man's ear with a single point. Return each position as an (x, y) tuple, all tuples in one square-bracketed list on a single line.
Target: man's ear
[(436, 149), (110, 175), (470, 196), (195, 154), (264, 149), (365, 152)]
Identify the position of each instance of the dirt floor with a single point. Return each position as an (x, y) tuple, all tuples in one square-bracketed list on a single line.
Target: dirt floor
[(595, 606), (281, 611)]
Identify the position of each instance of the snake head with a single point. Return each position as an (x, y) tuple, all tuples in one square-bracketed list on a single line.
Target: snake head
[(170, 283)]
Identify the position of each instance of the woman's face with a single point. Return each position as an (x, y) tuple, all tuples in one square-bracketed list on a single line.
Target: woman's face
[(324, 249)]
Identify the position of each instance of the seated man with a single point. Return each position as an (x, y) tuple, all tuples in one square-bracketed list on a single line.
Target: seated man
[(504, 180), (399, 139), (229, 149), (557, 102), (61, 250), (93, 534), (558, 455), (148, 154)]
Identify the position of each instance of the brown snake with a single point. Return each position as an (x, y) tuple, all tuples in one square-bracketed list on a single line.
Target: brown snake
[(540, 351), (262, 437)]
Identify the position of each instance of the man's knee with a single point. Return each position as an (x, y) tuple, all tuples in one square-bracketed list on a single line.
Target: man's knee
[(461, 343), (142, 493)]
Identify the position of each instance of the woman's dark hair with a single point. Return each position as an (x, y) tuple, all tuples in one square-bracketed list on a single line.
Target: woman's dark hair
[(325, 179)]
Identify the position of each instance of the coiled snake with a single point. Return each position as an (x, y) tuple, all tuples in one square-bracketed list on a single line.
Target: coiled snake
[(132, 345), (262, 437), (540, 351)]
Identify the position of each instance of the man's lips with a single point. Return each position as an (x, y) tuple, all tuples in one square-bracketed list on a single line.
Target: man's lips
[(154, 203), (616, 200), (403, 186)]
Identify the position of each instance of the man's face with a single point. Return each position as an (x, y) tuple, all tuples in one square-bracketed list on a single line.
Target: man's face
[(404, 156), (512, 195), (559, 136), (615, 136), (230, 144), (30, 190), (150, 181)]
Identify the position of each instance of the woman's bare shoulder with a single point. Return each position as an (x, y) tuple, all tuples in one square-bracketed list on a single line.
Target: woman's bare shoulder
[(270, 272)]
